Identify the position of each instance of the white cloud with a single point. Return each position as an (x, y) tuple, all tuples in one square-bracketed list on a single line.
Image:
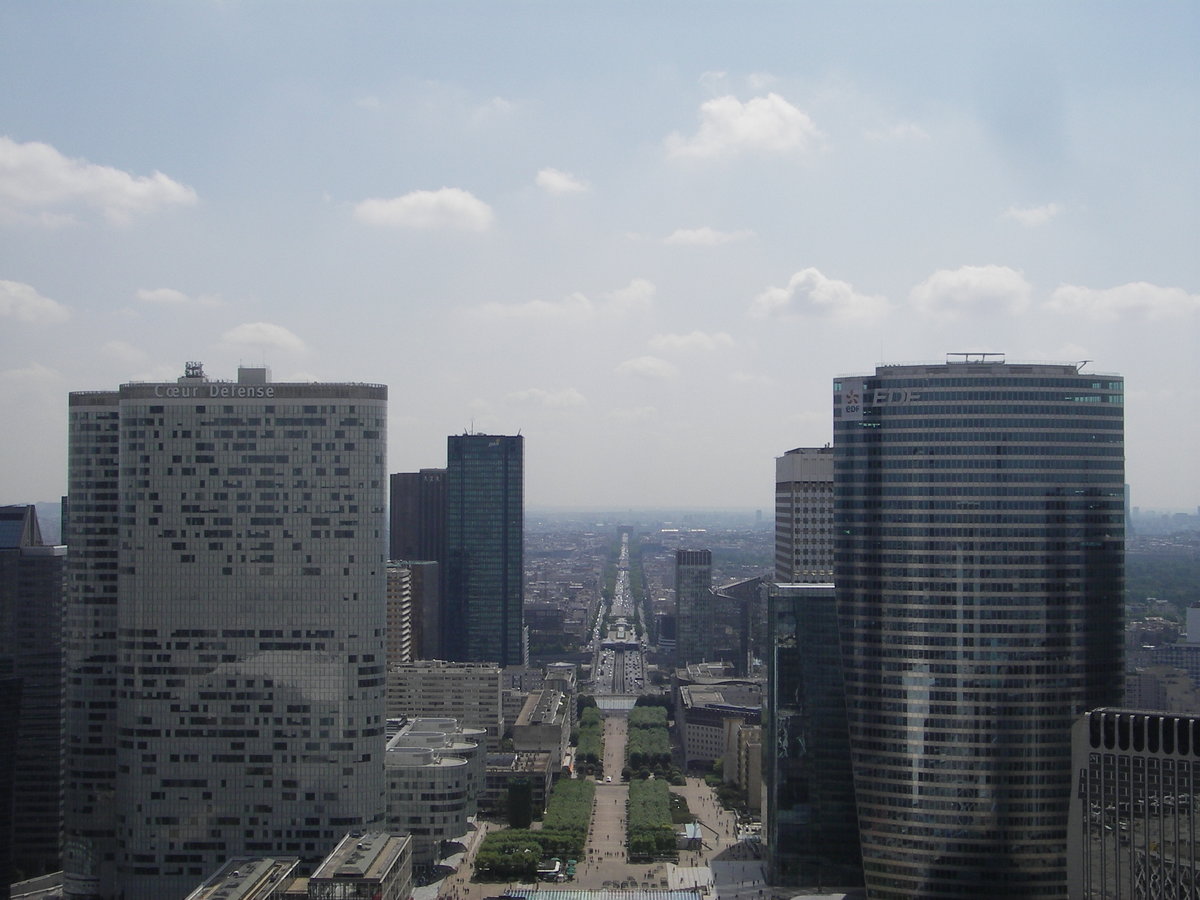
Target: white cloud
[(647, 367), (1032, 216), (1135, 298), (33, 375), (810, 292), (21, 302), (496, 108), (35, 180), (172, 297), (728, 127), (951, 291), (123, 352), (263, 334), (696, 340), (705, 237), (550, 399), (445, 208), (555, 181), (577, 307)]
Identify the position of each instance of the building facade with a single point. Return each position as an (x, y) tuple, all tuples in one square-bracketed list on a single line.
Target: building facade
[(811, 821), (485, 532), (234, 625), (417, 515), (1133, 813), (979, 574), (467, 692), (804, 516), (695, 607), (31, 622)]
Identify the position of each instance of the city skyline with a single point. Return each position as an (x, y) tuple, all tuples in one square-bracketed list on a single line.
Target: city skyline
[(646, 240)]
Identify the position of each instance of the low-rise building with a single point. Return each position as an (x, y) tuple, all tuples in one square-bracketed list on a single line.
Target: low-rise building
[(371, 866), (248, 878), (503, 769), (468, 692), (544, 724)]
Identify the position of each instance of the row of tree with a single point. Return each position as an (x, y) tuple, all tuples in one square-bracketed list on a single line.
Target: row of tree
[(514, 854)]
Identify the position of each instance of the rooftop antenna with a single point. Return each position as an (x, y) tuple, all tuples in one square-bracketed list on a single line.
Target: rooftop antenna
[(1079, 365)]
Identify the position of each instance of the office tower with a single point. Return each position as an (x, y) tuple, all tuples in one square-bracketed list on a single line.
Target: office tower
[(418, 515), (485, 530), (1134, 811), (695, 613), (811, 823), (31, 603), (10, 715), (225, 628), (804, 516), (979, 575)]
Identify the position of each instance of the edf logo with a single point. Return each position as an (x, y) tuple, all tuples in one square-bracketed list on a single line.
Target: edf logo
[(881, 397)]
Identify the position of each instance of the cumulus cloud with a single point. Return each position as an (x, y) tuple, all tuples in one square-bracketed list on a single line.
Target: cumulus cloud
[(39, 183), (696, 340), (550, 399), (172, 297), (1135, 298), (647, 367), (809, 292), (555, 181), (949, 292), (123, 352), (263, 334), (451, 208), (729, 127), (705, 237), (576, 307), (1032, 216), (21, 302)]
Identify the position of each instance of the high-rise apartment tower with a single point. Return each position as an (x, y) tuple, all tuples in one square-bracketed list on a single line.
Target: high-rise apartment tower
[(804, 516), (225, 683), (485, 532), (979, 576)]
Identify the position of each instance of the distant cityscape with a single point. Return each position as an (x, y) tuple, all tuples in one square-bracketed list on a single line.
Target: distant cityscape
[(241, 659)]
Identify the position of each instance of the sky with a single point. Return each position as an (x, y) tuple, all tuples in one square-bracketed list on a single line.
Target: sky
[(645, 235)]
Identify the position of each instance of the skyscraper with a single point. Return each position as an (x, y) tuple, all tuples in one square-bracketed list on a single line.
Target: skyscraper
[(31, 603), (979, 577), (812, 827), (804, 516), (418, 516), (485, 531), (695, 607), (225, 681)]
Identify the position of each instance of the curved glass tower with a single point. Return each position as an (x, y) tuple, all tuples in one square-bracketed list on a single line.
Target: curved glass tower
[(979, 534)]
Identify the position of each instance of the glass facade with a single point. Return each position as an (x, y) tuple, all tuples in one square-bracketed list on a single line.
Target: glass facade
[(485, 529), (979, 539), (231, 633), (812, 827), (695, 607)]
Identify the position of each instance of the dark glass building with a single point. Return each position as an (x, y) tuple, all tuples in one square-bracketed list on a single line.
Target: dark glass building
[(979, 540), (695, 607), (31, 621), (485, 528), (812, 827), (417, 516)]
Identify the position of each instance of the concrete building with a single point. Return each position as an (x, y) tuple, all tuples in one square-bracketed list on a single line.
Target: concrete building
[(695, 612), (544, 724), (504, 769), (485, 530), (434, 776), (467, 692), (31, 624), (1133, 811), (811, 823), (804, 516), (979, 571), (225, 680), (702, 712), (371, 866), (249, 878)]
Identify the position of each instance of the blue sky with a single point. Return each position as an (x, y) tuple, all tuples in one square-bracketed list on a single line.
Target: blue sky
[(645, 235)]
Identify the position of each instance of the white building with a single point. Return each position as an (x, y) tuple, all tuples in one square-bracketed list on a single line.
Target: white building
[(468, 692), (804, 515), (225, 680)]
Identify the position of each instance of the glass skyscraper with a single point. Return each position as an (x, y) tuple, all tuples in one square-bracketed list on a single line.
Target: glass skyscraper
[(225, 685), (485, 531), (979, 535)]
